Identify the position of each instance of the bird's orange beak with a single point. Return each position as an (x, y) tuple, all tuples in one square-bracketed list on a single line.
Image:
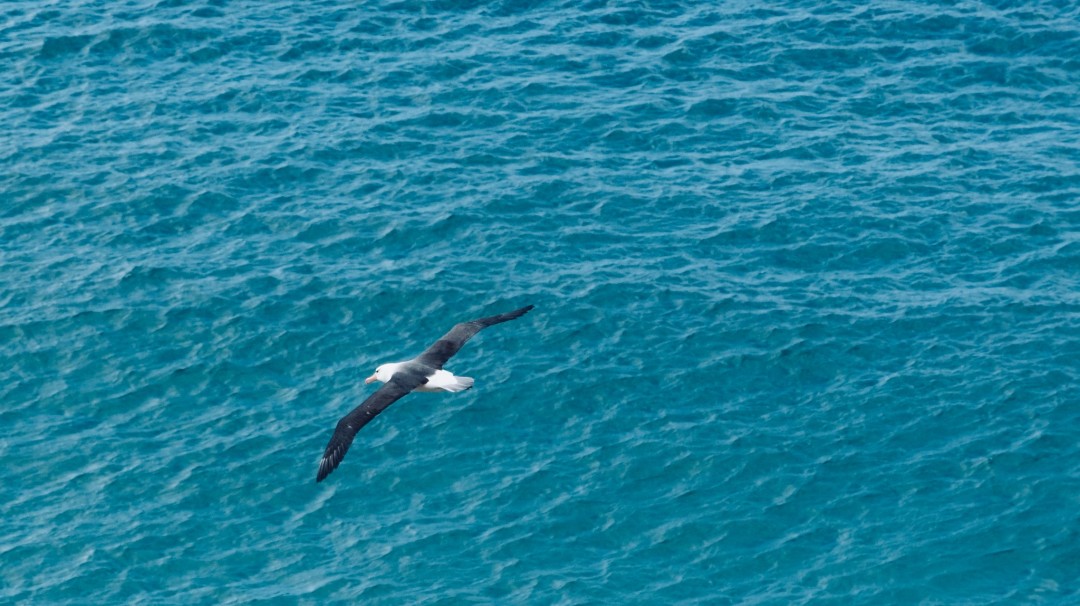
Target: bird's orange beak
[(370, 379)]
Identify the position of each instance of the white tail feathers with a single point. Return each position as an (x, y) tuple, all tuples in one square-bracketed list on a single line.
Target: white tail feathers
[(446, 381), (459, 384)]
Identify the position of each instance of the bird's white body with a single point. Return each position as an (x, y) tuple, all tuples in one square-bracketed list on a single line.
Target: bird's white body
[(441, 381)]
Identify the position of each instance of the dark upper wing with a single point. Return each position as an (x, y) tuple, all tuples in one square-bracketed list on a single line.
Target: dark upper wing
[(437, 355), (351, 423)]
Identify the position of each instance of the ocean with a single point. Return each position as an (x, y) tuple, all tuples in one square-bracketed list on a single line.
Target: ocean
[(806, 277)]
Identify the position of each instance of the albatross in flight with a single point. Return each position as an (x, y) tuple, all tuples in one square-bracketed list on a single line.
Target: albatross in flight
[(422, 373)]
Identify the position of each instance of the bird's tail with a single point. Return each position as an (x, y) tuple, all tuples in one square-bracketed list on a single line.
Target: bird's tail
[(459, 384)]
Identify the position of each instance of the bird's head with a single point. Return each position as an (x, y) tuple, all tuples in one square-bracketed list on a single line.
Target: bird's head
[(382, 373)]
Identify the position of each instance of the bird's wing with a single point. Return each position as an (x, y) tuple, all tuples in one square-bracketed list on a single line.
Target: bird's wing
[(441, 351), (351, 423)]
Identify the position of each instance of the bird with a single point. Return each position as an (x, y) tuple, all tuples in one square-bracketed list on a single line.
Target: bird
[(423, 373)]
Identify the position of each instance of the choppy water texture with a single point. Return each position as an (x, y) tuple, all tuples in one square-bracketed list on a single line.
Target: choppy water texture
[(806, 279)]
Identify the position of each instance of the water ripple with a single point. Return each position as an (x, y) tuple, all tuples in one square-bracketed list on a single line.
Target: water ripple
[(805, 280)]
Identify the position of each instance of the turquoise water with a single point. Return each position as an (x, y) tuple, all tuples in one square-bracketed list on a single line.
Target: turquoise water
[(806, 276)]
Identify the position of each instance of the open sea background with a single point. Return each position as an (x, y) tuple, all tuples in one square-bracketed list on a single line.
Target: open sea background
[(806, 276)]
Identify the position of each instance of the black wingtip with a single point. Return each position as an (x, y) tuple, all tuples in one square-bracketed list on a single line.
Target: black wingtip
[(517, 313), (511, 315), (499, 319), (325, 467)]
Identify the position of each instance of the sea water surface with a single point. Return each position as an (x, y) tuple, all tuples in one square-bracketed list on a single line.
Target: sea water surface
[(806, 276)]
